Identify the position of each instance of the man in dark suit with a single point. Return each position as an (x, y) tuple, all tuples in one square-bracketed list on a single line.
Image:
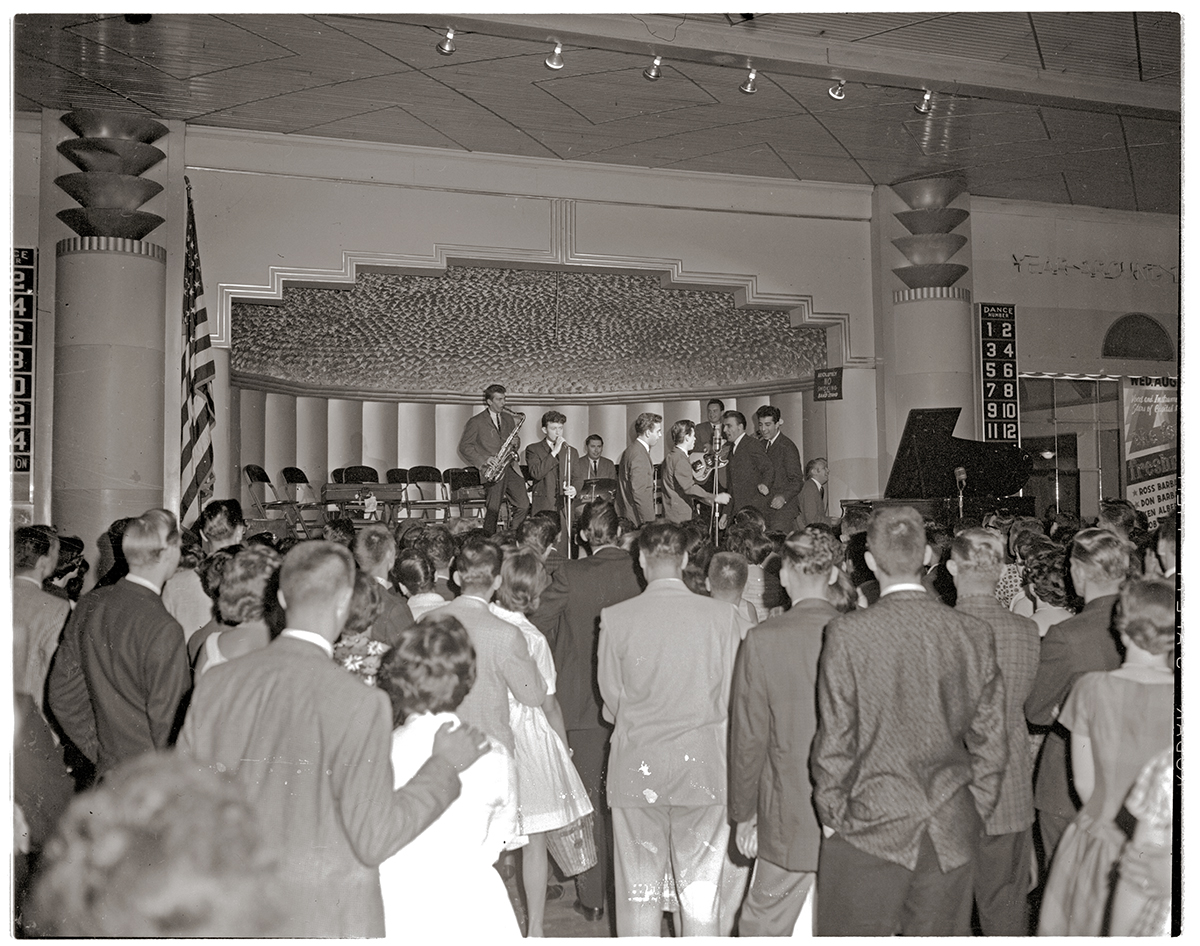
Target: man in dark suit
[(375, 554), (772, 722), (604, 578), (784, 502), (593, 465), (709, 430), (121, 674), (1078, 645), (547, 460), (1006, 844), (814, 504), (750, 474), (635, 475), (909, 753), (311, 746), (482, 438)]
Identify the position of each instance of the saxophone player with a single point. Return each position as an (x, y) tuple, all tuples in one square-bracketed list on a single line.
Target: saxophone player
[(490, 442)]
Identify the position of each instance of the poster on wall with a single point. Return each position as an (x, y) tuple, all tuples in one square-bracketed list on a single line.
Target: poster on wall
[(24, 312), (1151, 411), (998, 363)]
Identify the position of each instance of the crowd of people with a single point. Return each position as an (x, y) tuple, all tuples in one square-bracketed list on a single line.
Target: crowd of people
[(870, 726)]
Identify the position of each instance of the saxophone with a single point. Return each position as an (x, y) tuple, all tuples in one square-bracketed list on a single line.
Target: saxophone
[(493, 469)]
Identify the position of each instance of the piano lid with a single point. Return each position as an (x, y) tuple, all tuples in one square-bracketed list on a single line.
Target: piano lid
[(929, 452)]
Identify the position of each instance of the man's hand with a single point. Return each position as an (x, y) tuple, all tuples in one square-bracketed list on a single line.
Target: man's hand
[(762, 488), (461, 746), (777, 501), (569, 492), (747, 837), (722, 499)]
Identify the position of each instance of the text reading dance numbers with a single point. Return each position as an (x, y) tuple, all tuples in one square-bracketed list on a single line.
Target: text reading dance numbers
[(998, 364)]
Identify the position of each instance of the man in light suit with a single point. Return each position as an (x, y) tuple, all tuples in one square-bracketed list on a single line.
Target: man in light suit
[(772, 721), (592, 465), (481, 440), (635, 474), (784, 501), (311, 746), (679, 487), (604, 578), (814, 504), (38, 617), (665, 668), (910, 750), (749, 472), (121, 673), (547, 458)]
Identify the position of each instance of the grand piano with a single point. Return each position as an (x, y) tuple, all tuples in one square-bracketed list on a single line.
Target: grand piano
[(923, 473)]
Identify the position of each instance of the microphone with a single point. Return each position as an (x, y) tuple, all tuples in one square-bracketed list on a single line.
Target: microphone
[(960, 476)]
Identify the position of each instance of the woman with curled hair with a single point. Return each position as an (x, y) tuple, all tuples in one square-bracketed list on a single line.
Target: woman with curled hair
[(163, 847), (245, 603), (211, 572), (1045, 583), (815, 549), (442, 886), (550, 793), (355, 649), (1119, 720)]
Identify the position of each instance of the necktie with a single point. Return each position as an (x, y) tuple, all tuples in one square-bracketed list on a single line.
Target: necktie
[(767, 448), (496, 421), (593, 469)]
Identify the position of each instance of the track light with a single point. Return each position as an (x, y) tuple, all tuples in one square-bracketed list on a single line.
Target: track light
[(446, 46), (748, 86), (555, 59), (925, 104), (652, 72), (839, 91)]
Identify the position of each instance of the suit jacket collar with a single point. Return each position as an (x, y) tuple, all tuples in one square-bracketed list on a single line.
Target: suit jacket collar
[(1096, 604), (667, 584)]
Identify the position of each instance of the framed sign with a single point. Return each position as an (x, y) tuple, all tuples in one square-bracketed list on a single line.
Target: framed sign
[(24, 319), (998, 361), (827, 384)]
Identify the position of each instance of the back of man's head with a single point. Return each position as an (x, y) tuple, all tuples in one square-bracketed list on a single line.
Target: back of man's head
[(727, 573), (645, 422), (1102, 556), (438, 544), (148, 537), (220, 521), (812, 551), (662, 543), (478, 562), (315, 573), (372, 545), (603, 524), (31, 543), (540, 530), (978, 555), (896, 540)]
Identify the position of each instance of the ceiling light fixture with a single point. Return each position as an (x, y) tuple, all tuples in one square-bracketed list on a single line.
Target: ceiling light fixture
[(446, 46), (555, 59), (925, 104), (748, 86), (838, 92), (652, 71)]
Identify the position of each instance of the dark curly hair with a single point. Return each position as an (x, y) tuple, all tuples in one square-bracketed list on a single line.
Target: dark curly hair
[(431, 668), (1046, 575)]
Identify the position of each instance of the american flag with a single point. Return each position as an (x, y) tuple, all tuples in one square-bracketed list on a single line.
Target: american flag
[(198, 417)]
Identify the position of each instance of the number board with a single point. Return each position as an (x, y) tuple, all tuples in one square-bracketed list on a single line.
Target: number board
[(24, 317), (998, 358)]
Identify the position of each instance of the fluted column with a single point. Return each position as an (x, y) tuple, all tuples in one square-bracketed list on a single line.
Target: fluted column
[(279, 438), (345, 433), (416, 436), (449, 420), (379, 435)]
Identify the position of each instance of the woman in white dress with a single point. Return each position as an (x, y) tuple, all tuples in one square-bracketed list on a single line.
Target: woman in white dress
[(442, 887), (244, 605), (549, 790)]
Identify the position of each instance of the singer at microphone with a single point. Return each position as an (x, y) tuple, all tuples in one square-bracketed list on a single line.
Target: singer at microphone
[(547, 459)]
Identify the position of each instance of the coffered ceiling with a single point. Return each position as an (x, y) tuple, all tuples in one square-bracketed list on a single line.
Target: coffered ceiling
[(1077, 108)]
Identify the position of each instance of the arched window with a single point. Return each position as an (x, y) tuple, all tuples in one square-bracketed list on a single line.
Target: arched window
[(1138, 337)]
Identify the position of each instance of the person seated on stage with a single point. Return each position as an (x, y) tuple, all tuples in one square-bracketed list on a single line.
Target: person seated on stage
[(341, 531), (546, 459), (727, 573), (593, 465), (414, 577)]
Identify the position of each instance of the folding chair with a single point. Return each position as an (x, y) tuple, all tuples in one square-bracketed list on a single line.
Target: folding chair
[(356, 510), (467, 491), (426, 491), (397, 475), (360, 474), (268, 503), (299, 490), (338, 475)]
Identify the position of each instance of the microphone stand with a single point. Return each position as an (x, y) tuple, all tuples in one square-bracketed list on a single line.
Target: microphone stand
[(566, 460)]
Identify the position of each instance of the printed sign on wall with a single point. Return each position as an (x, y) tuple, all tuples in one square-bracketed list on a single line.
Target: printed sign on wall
[(998, 360), (24, 315), (1151, 413), (827, 384)]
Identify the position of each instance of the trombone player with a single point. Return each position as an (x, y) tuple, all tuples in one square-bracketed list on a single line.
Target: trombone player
[(491, 441), (550, 461)]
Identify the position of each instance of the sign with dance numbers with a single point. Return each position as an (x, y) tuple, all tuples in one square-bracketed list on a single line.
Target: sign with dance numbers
[(24, 318), (1150, 407), (827, 385), (998, 361)]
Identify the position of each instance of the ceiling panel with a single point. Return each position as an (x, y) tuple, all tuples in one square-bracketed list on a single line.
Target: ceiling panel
[(1098, 44)]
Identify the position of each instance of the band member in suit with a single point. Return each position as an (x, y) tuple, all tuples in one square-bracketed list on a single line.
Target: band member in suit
[(706, 432), (789, 470), (546, 459), (482, 438), (750, 474), (592, 465), (814, 504), (679, 482), (636, 473)]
